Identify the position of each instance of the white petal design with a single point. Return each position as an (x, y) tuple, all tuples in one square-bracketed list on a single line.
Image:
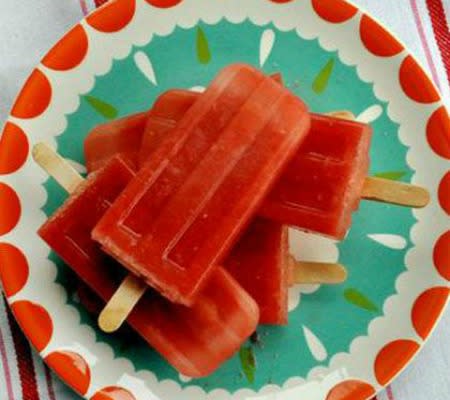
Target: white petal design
[(266, 45), (184, 378), (198, 89), (145, 66), (316, 347), (80, 168), (309, 288), (294, 295), (370, 114), (306, 246), (395, 242)]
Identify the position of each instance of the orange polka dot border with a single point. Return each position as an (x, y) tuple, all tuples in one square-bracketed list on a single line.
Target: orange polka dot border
[(377, 40), (35, 322), (441, 256), (14, 269), (392, 358), (427, 309), (37, 88), (69, 52), (334, 11), (438, 132), (417, 89), (113, 393), (72, 368), (351, 390), (281, 1), (444, 193), (10, 208), (113, 17), (14, 149), (163, 3)]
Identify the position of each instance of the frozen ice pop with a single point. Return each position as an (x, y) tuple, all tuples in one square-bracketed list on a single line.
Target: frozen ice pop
[(194, 340), (323, 184), (185, 208), (318, 190), (260, 263), (122, 136)]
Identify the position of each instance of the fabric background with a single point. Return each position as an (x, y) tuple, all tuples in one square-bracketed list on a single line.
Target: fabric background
[(28, 28)]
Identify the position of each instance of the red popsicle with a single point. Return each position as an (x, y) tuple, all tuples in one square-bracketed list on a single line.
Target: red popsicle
[(122, 136), (286, 203), (322, 185), (194, 340), (260, 262), (183, 211)]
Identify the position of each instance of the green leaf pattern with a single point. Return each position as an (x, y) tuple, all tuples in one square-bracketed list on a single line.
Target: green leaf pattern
[(104, 109), (203, 52), (358, 299), (321, 81), (392, 175), (248, 362)]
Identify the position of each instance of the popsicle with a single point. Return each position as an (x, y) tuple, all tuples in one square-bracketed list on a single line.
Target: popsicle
[(195, 340), (180, 215), (122, 136), (260, 263), (322, 185)]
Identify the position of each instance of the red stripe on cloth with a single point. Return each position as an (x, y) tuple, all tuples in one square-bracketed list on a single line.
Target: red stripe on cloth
[(84, 8), (390, 393), (441, 31), (423, 39), (7, 371), (24, 361), (98, 3), (49, 380)]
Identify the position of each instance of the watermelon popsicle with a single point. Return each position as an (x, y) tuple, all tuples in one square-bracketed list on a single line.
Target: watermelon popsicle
[(107, 140), (195, 340), (185, 208), (323, 184), (260, 262), (124, 135)]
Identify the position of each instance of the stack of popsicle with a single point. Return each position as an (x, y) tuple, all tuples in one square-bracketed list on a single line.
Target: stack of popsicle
[(194, 198)]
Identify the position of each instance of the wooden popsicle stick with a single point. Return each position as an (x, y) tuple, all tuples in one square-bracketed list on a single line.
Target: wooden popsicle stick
[(343, 114), (393, 192), (121, 304), (388, 191), (132, 288), (317, 272), (57, 167)]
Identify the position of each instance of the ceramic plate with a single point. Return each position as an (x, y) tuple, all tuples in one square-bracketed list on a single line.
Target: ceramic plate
[(343, 342)]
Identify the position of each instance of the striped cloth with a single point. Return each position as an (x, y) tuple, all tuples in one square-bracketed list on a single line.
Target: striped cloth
[(28, 27)]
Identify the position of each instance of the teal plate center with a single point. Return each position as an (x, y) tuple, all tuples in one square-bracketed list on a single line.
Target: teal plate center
[(336, 315)]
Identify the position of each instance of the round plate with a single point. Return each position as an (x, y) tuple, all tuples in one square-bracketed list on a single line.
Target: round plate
[(343, 342)]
